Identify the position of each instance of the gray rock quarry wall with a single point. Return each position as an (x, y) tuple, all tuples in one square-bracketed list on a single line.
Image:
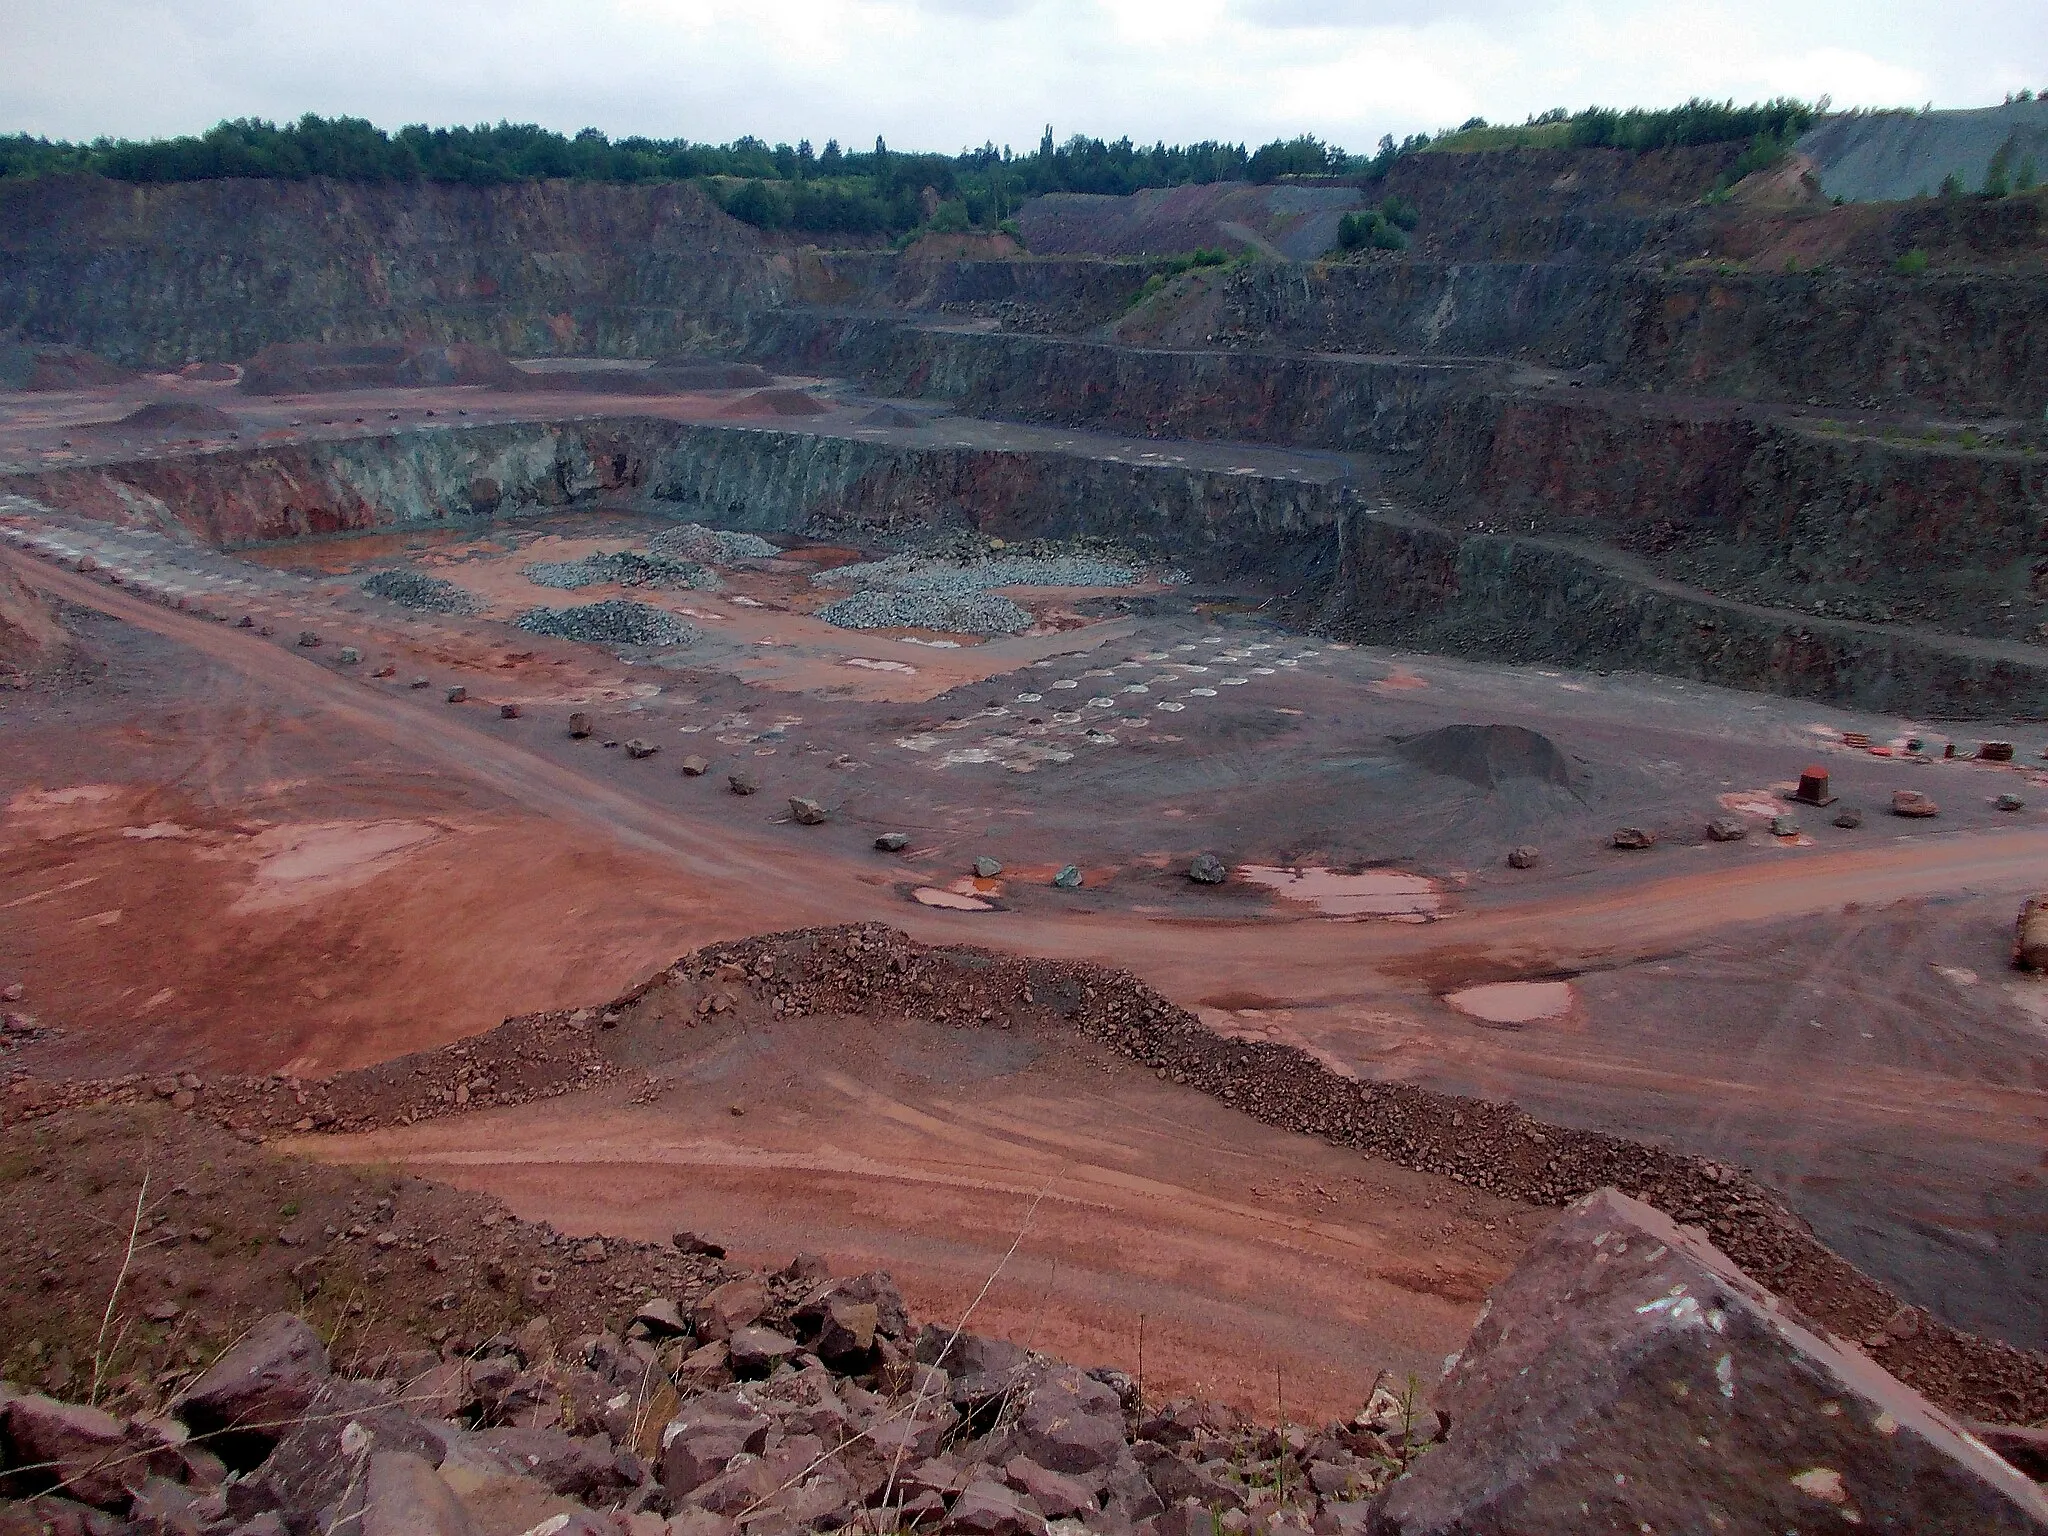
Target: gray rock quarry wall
[(162, 275), (1407, 582), (1963, 342), (1320, 546)]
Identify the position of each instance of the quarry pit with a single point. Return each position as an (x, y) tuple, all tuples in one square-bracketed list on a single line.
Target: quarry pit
[(298, 788)]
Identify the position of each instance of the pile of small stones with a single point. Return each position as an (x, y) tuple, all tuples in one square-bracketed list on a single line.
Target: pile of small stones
[(427, 594), (612, 622)]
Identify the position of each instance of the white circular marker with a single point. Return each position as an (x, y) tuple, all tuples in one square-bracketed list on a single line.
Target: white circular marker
[(1136, 688), (1233, 682), (1066, 717), (1029, 698), (1102, 703), (1066, 682), (1262, 671), (1173, 709), (1201, 693), (1283, 662)]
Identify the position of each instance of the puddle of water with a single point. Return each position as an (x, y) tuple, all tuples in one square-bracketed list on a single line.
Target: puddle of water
[(951, 901), (1371, 893), (1514, 1002)]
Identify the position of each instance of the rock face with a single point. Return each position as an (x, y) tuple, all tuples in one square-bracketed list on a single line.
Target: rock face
[(1627, 1376)]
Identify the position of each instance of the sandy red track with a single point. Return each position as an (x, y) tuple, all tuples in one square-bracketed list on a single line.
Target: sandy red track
[(928, 1151)]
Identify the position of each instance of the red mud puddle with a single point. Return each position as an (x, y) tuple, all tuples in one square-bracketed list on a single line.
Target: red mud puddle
[(1514, 1002), (1387, 893)]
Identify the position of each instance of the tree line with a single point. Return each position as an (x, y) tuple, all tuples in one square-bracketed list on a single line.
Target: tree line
[(877, 191)]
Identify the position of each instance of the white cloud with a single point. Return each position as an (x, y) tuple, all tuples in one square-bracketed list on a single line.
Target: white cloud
[(947, 73)]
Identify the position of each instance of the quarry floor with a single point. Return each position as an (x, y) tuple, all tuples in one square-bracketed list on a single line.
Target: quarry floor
[(228, 851)]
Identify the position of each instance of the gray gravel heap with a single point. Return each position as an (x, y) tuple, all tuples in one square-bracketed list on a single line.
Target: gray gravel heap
[(429, 594), (957, 613), (710, 546), (614, 621), (938, 575), (627, 568)]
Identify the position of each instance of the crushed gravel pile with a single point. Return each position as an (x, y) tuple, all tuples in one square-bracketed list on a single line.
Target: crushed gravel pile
[(612, 622), (627, 568), (958, 613), (710, 546), (939, 575), (429, 594)]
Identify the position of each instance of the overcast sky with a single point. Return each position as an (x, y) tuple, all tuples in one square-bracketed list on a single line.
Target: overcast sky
[(945, 74)]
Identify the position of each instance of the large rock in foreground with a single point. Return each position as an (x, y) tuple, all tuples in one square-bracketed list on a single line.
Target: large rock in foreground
[(1628, 1377)]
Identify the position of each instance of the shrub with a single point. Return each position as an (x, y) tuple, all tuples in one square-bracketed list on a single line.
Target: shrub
[(1913, 263)]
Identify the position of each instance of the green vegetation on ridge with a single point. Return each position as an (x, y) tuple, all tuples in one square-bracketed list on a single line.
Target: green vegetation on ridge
[(780, 186)]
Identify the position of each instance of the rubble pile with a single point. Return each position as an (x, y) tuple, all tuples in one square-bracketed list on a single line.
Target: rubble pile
[(1625, 1372), (615, 621), (427, 594), (710, 546), (970, 613), (626, 568)]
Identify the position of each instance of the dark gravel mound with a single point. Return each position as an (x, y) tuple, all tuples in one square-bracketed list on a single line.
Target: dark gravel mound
[(429, 594), (627, 568), (890, 416), (777, 402), (57, 368), (178, 416), (1488, 756), (612, 622)]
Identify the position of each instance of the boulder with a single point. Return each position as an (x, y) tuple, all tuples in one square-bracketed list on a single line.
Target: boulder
[(2010, 802), (690, 1242), (1207, 870), (1628, 1376), (508, 711), (693, 767), (402, 1495), (636, 747), (1784, 826), (892, 1318), (987, 1508), (742, 783), (307, 1478), (1523, 857), (725, 1309), (1068, 878), (756, 1351), (1073, 1423), (457, 694), (893, 842), (1634, 837), (251, 1394), (659, 1316), (987, 868), (698, 1442), (579, 725), (586, 1468), (1726, 829), (1053, 1492), (81, 1449), (1910, 802), (806, 813), (2030, 935), (847, 1335), (1849, 820)]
